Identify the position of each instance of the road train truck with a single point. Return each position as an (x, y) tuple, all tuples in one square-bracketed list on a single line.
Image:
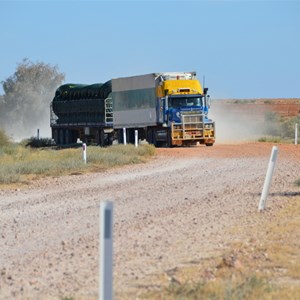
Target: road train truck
[(167, 109)]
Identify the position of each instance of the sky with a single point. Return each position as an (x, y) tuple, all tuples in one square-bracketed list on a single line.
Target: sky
[(244, 49)]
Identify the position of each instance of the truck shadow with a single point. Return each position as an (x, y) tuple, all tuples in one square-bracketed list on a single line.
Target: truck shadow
[(282, 194)]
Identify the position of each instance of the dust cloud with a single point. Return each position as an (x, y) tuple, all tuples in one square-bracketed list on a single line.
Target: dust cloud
[(235, 126), (23, 120), (25, 105)]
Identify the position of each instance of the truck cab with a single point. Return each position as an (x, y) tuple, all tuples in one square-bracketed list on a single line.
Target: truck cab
[(185, 106)]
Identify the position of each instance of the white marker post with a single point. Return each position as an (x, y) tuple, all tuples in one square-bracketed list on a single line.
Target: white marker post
[(136, 138), (106, 251), (296, 133), (265, 191), (84, 152), (124, 136)]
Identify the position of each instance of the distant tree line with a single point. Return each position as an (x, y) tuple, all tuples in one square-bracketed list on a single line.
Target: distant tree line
[(24, 106)]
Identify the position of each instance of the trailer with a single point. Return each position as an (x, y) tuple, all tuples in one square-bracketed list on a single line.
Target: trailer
[(82, 112)]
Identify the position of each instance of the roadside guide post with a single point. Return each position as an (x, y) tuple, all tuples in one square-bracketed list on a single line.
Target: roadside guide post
[(84, 152), (124, 136), (267, 183), (136, 138), (296, 133), (106, 251)]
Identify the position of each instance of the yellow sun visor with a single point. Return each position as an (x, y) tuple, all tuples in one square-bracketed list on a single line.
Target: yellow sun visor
[(179, 87)]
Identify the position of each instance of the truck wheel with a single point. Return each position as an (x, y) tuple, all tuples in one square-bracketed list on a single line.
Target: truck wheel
[(101, 138), (67, 136), (209, 144), (110, 139), (150, 136), (169, 139), (120, 136), (55, 135), (74, 136), (61, 137)]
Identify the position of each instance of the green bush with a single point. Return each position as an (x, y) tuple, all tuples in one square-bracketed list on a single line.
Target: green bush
[(288, 127), (34, 142), (268, 101), (278, 128), (297, 182), (272, 124), (246, 288), (270, 139)]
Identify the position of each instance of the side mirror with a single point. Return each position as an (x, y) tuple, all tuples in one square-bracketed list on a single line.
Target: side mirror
[(205, 91), (208, 101)]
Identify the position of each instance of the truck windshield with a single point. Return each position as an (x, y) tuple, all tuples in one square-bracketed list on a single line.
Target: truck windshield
[(176, 102)]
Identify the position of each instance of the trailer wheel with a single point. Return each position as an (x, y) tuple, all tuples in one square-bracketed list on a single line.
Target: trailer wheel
[(101, 138), (67, 136), (110, 138), (55, 135), (61, 137), (131, 136), (120, 136), (150, 136), (74, 136)]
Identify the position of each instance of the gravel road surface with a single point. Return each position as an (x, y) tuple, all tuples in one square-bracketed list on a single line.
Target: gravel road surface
[(172, 210)]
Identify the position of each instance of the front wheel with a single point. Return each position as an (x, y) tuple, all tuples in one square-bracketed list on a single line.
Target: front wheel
[(209, 144), (169, 139)]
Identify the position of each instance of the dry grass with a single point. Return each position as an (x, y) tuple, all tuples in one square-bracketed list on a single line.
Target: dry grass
[(263, 264), (4, 139), (18, 164)]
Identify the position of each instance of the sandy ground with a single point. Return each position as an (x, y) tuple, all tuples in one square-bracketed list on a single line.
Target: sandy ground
[(175, 209)]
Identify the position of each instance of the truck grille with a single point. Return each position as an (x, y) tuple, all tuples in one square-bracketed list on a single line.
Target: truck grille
[(191, 128)]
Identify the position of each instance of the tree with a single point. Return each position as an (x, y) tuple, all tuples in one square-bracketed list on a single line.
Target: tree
[(24, 107)]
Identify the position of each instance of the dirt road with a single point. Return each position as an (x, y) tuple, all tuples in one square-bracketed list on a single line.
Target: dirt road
[(175, 209)]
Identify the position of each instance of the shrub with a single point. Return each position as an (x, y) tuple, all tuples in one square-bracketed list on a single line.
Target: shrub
[(272, 124), (4, 139), (34, 142), (279, 128), (270, 139), (288, 127), (297, 182), (267, 101), (244, 288)]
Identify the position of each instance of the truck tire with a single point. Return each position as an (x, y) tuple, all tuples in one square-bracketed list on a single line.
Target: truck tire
[(61, 137), (169, 139), (209, 144), (67, 136), (101, 138), (131, 136), (150, 136), (74, 136), (55, 135), (120, 136)]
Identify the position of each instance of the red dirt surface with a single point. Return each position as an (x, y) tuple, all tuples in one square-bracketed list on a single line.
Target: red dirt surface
[(258, 108), (247, 149)]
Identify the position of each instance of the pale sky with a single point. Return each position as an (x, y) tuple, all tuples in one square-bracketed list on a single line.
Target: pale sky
[(245, 49)]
